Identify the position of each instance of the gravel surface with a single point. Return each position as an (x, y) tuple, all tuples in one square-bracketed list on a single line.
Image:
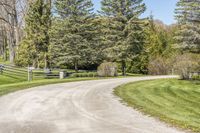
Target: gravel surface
[(77, 107)]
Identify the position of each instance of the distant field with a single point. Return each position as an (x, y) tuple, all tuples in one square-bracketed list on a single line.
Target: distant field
[(173, 101)]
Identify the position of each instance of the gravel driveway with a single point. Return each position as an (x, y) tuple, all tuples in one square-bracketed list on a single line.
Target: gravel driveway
[(77, 107)]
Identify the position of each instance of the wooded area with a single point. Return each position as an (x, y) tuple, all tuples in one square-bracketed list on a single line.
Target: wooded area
[(69, 34)]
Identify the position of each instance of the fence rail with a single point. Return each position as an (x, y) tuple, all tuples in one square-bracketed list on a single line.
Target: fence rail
[(41, 74), (27, 73), (13, 72)]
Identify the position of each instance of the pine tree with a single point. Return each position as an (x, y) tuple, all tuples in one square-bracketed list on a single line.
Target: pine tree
[(188, 16), (36, 40), (71, 39), (156, 43), (73, 8), (126, 8), (126, 29)]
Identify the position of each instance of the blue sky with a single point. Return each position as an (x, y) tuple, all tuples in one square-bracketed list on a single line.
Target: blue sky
[(161, 9)]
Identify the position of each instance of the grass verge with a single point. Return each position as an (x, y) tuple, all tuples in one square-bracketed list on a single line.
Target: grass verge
[(173, 101), (9, 80), (8, 88)]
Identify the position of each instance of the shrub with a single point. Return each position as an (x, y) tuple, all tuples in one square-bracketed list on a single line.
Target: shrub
[(196, 77), (159, 66), (86, 74), (107, 69), (187, 63)]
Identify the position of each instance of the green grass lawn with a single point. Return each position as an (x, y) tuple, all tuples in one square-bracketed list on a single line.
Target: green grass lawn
[(173, 101), (8, 88), (9, 80)]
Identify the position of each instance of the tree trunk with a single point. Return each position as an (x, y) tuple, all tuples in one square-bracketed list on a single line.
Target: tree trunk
[(4, 49), (4, 43), (38, 62), (16, 26), (76, 65), (12, 54), (46, 60), (123, 68), (12, 45)]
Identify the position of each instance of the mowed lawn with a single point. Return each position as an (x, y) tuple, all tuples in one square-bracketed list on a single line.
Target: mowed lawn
[(20, 85), (9, 80), (174, 101)]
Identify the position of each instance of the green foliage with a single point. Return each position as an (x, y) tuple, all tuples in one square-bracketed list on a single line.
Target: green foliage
[(73, 8), (85, 74), (159, 39), (36, 41), (157, 47), (2, 61), (127, 8), (155, 57), (196, 77), (26, 53), (188, 35), (79, 39), (138, 65), (126, 31), (74, 35)]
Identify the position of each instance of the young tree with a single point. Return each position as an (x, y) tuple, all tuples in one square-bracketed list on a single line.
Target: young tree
[(126, 29), (158, 48), (158, 39), (187, 14)]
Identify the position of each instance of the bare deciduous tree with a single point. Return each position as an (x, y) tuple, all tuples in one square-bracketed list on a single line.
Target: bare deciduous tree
[(12, 13)]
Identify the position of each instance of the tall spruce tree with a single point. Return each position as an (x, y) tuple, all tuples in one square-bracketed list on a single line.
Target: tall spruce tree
[(34, 46), (126, 8), (126, 29), (73, 8), (188, 16), (71, 36)]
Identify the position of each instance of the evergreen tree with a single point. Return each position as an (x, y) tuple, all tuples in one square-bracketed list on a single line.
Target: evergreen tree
[(157, 46), (156, 39), (36, 41), (126, 29), (74, 8), (71, 38), (188, 16), (126, 8)]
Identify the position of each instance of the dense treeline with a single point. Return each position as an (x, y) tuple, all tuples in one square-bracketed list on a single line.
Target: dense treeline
[(69, 34)]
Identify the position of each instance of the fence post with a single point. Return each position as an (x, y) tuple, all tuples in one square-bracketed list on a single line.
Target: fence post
[(1, 69), (62, 74), (29, 74)]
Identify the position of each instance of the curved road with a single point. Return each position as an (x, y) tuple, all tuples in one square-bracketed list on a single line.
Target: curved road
[(77, 107)]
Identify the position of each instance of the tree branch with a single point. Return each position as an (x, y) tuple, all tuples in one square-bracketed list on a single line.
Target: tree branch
[(3, 19)]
